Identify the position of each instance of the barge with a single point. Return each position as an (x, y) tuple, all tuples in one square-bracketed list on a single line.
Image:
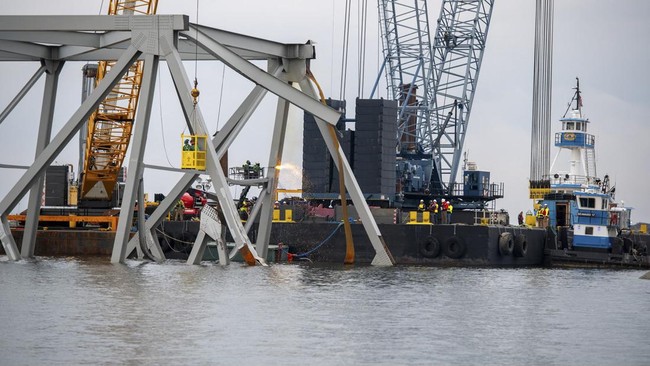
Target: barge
[(324, 242)]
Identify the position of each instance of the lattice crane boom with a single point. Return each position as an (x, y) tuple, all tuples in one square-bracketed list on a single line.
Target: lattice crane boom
[(109, 127), (434, 81)]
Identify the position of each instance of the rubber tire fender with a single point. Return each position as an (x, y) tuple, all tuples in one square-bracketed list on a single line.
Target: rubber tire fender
[(430, 248), (506, 244), (628, 244), (454, 247), (521, 246)]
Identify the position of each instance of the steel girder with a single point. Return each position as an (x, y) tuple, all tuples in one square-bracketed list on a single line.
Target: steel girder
[(100, 37), (152, 39)]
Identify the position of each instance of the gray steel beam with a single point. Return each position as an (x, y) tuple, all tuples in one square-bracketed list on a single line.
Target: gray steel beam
[(198, 249), (86, 23), (260, 77), (273, 174), (7, 239), (68, 130), (237, 121), (141, 208), (59, 142), (102, 37), (28, 86), (28, 51), (221, 141), (213, 168), (255, 211), (252, 45), (186, 180), (382, 254), (136, 167), (42, 140), (11, 166), (55, 38)]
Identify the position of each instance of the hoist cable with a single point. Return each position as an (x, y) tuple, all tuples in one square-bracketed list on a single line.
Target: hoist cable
[(223, 81), (344, 56), (363, 30), (196, 43), (160, 111)]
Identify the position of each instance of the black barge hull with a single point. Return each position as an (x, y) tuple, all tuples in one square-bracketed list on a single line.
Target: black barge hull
[(457, 244), (428, 245)]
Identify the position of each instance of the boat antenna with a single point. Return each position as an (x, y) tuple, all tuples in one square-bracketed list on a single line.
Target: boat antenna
[(577, 97)]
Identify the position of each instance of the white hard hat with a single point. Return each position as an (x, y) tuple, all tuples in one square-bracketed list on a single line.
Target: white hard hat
[(421, 200), (443, 200)]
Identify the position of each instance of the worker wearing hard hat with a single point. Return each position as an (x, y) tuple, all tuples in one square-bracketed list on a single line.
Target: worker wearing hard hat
[(187, 146), (433, 209), (421, 206), (443, 208)]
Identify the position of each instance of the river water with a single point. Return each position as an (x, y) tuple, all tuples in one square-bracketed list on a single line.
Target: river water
[(64, 311)]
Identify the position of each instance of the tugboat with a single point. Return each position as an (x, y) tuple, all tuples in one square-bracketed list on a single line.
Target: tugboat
[(586, 226)]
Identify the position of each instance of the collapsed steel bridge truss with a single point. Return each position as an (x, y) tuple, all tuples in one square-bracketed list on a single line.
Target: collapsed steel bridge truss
[(53, 40)]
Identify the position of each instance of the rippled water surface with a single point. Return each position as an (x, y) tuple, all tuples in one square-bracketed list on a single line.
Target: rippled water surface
[(87, 311)]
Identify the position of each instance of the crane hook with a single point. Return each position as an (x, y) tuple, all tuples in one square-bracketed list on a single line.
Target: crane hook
[(195, 92)]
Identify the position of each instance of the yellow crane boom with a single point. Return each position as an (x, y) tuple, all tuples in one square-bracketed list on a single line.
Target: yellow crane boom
[(109, 127)]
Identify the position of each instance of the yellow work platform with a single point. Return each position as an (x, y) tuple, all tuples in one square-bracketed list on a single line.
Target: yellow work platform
[(72, 219), (194, 152)]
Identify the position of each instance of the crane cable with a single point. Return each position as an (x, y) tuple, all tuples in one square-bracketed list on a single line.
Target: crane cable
[(344, 55), (160, 111), (542, 84), (363, 29), (195, 91), (349, 244)]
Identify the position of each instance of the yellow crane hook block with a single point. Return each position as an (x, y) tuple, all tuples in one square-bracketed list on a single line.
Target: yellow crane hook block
[(193, 153)]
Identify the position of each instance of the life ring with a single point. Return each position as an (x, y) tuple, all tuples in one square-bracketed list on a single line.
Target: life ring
[(430, 248), (506, 243), (521, 246), (454, 247)]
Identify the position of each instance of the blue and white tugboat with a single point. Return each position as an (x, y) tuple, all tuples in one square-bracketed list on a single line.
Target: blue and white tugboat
[(587, 226)]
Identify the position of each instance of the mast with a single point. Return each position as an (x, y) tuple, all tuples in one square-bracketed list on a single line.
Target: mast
[(580, 144)]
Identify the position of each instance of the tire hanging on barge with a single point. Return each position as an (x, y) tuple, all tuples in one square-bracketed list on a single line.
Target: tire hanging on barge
[(506, 244), (454, 247), (430, 248), (521, 246)]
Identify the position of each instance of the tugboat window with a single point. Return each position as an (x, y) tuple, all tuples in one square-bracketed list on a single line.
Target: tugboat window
[(569, 125), (589, 230), (586, 202)]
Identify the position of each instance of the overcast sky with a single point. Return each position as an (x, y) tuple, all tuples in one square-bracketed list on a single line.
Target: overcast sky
[(603, 42)]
